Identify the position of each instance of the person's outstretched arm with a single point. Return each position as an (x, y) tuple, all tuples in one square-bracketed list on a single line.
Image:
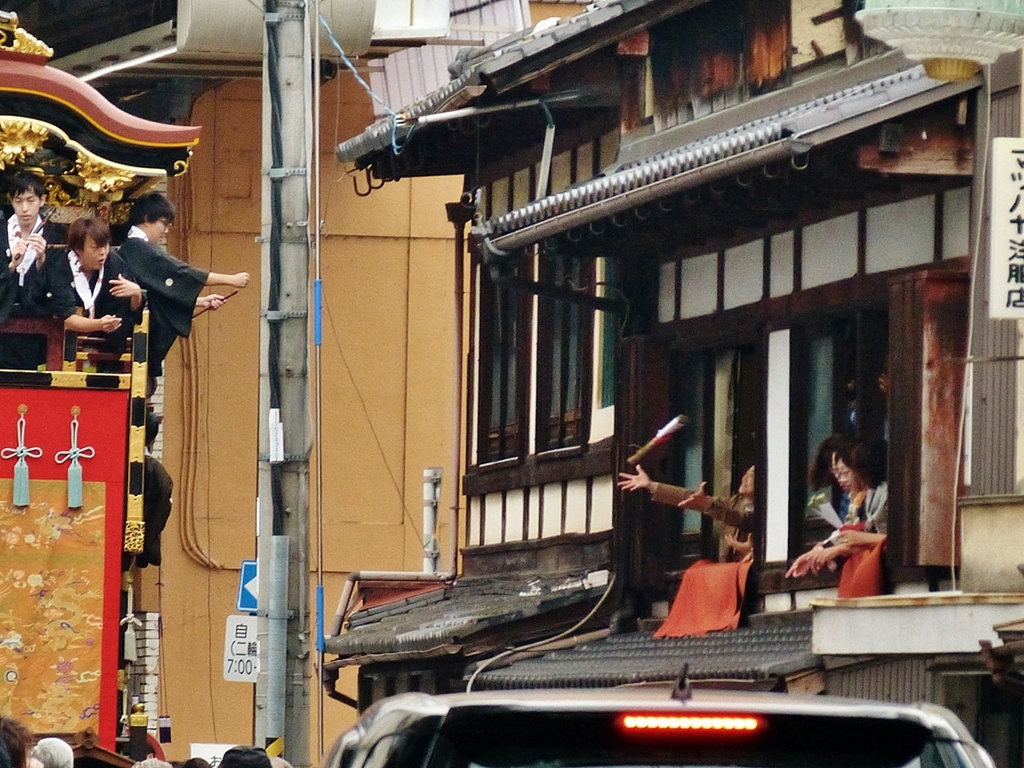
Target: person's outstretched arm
[(237, 280)]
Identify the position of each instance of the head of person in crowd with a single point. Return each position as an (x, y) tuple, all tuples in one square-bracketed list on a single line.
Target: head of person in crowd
[(153, 213), (152, 762), (820, 472), (746, 489), (17, 739), (195, 762), (54, 753), (152, 430), (28, 195), (868, 460), (245, 757), (89, 238)]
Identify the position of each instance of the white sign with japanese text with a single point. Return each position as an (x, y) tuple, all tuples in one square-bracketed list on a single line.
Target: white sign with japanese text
[(1006, 245), (241, 650)]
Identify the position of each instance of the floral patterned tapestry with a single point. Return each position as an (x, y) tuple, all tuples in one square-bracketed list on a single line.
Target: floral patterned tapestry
[(51, 607), (60, 564)]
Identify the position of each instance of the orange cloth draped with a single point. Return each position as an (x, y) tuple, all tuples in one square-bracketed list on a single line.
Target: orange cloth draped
[(863, 574), (710, 597)]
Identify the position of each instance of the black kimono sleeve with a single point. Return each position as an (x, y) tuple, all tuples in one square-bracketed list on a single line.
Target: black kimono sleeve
[(172, 287), (8, 277)]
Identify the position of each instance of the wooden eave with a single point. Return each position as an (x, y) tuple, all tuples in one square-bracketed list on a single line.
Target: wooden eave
[(31, 90)]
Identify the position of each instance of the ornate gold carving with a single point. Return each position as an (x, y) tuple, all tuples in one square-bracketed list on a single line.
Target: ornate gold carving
[(17, 39), (19, 139), (101, 178), (134, 535), (26, 43), (180, 166), (119, 213)]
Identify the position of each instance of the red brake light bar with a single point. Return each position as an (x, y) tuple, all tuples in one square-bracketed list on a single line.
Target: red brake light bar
[(644, 722)]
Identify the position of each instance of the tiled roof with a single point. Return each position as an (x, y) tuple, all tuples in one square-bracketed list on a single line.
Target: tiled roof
[(791, 123), (478, 66), (441, 620), (750, 654)]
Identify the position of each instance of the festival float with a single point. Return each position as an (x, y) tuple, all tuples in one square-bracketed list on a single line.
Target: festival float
[(72, 438)]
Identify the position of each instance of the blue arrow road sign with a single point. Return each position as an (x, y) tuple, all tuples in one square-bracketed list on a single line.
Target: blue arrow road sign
[(248, 587)]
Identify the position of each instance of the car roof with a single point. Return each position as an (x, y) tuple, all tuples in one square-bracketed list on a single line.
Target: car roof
[(941, 722)]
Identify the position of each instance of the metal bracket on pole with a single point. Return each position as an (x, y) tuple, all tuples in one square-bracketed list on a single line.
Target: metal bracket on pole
[(288, 458), (277, 18), (280, 173), (277, 315)]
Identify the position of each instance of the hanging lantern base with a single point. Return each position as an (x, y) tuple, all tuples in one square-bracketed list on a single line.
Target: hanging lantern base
[(951, 70), (946, 34)]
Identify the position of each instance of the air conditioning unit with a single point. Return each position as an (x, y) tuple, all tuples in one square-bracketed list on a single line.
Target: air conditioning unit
[(234, 28)]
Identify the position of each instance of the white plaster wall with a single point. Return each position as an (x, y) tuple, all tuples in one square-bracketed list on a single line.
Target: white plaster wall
[(777, 603), (900, 234), (829, 251), (956, 223), (744, 274), (499, 196), (533, 514), (514, 512), (781, 275), (667, 292), (531, 445), (492, 518), (552, 510), (602, 423), (777, 528), (576, 507), (473, 520), (699, 277), (602, 493)]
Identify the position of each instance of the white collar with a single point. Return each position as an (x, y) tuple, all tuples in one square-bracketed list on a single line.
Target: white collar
[(136, 232), (81, 283), (14, 233)]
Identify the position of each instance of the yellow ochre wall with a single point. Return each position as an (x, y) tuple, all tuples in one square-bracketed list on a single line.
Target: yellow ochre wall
[(387, 268)]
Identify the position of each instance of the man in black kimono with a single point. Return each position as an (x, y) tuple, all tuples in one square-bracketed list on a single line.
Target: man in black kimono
[(110, 302), (31, 281), (172, 286), (156, 498)]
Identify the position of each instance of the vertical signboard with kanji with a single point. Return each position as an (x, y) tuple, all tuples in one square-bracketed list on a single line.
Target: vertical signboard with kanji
[(1006, 246), (241, 650)]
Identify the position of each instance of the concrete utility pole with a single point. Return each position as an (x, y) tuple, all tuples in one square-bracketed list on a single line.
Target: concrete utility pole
[(282, 688)]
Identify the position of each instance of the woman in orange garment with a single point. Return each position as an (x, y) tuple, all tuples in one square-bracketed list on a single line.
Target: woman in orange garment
[(737, 513)]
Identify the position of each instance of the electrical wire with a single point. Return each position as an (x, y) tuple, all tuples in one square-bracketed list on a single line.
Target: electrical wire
[(396, 118), (366, 413)]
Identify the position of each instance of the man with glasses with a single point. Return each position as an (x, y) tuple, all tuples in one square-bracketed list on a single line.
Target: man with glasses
[(172, 286)]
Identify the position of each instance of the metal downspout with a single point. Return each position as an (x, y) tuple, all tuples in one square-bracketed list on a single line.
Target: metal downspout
[(459, 214)]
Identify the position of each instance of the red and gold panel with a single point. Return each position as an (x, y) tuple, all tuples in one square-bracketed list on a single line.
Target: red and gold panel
[(60, 571)]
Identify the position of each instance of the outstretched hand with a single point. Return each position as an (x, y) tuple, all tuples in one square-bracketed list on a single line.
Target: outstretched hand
[(123, 288), (239, 280), (639, 481), (699, 500), (816, 560)]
